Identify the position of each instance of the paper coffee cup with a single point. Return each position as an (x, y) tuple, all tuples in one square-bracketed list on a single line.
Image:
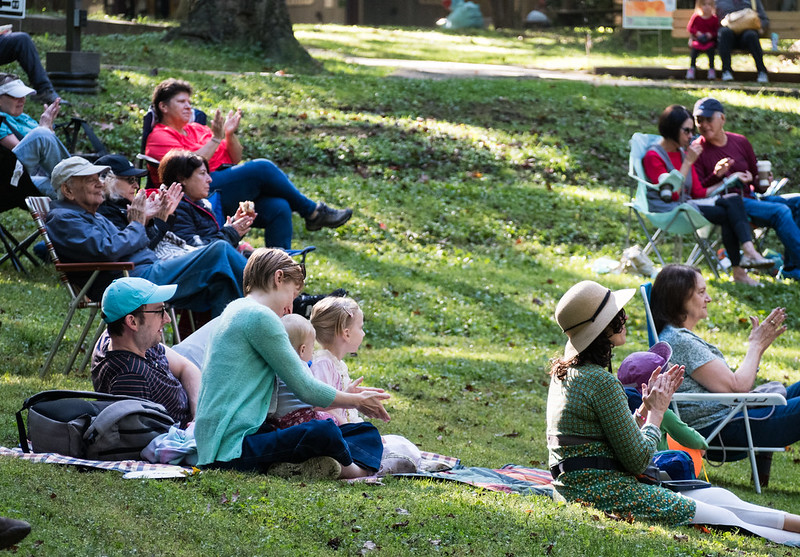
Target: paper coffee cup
[(764, 170)]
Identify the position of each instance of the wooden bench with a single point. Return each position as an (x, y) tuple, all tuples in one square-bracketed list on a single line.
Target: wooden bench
[(785, 24)]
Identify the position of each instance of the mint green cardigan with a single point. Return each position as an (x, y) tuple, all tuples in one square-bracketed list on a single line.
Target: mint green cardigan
[(246, 351)]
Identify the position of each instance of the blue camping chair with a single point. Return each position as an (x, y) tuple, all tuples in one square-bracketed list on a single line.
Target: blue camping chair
[(737, 403), (683, 220)]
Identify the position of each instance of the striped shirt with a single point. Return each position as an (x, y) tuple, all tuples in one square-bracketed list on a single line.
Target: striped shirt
[(120, 372)]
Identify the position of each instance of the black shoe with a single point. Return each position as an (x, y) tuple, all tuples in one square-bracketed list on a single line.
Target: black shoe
[(327, 217), (46, 96), (304, 303), (12, 531)]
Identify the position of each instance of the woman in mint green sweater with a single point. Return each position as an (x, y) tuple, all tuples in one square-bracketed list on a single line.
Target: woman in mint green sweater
[(248, 350)]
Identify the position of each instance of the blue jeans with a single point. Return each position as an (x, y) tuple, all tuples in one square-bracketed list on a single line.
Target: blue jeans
[(39, 152), (18, 47), (275, 198), (347, 444), (727, 41), (778, 212), (776, 426), (207, 278)]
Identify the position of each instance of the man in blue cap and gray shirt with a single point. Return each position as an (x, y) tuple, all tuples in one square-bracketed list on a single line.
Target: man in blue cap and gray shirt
[(129, 359)]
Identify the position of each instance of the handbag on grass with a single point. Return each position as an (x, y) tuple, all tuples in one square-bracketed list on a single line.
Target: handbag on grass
[(742, 20)]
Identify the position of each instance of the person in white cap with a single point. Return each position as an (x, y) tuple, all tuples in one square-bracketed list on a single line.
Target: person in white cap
[(129, 358), (207, 278), (597, 448), (34, 143)]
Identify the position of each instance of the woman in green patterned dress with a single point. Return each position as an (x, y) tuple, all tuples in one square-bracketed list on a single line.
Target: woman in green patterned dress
[(597, 447)]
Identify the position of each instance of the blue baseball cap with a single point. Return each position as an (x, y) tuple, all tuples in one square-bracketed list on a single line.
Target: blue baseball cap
[(707, 106), (126, 295)]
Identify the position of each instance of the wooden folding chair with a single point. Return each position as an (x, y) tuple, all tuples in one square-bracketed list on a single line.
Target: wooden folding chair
[(737, 403), (78, 299)]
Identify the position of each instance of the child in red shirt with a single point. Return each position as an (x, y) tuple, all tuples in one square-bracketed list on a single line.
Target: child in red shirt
[(702, 28)]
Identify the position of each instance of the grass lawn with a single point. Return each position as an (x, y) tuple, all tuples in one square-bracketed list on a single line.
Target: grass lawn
[(477, 204)]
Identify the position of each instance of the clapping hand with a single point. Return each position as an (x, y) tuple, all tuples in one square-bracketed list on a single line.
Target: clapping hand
[(50, 114), (765, 333), (657, 393), (137, 210), (231, 125), (371, 404), (355, 388)]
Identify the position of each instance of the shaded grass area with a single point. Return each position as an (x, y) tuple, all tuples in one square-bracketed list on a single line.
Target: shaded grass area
[(478, 203)]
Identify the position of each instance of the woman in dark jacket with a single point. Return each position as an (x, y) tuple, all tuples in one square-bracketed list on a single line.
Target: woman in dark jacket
[(122, 185), (195, 221)]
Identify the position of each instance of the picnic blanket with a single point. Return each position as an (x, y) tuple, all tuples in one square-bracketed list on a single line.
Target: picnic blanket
[(132, 469), (508, 479), (129, 468)]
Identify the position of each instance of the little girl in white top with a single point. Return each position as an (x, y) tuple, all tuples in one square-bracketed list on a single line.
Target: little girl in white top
[(339, 324)]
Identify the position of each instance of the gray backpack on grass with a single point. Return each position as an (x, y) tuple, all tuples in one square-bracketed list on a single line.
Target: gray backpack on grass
[(110, 427)]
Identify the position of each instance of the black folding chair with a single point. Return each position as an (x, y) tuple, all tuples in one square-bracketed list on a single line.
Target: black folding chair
[(15, 186)]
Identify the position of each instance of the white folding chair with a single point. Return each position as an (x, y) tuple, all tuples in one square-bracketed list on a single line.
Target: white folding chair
[(737, 403)]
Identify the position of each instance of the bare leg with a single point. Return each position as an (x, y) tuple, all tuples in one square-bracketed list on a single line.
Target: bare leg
[(740, 275), (750, 250)]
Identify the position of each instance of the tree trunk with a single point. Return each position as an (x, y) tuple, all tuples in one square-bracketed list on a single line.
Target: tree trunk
[(264, 22)]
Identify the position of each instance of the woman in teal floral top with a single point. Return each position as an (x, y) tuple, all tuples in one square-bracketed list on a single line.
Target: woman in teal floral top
[(597, 447)]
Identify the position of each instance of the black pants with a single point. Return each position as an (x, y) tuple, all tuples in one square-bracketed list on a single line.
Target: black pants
[(727, 41), (729, 213), (711, 52)]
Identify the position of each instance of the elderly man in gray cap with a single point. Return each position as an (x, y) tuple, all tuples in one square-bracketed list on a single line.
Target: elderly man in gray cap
[(728, 154), (207, 278)]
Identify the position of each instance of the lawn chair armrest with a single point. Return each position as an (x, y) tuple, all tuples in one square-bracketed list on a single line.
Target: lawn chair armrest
[(732, 399), (105, 266)]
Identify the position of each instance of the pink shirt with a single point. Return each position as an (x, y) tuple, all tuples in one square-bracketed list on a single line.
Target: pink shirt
[(194, 136), (331, 370), (697, 24)]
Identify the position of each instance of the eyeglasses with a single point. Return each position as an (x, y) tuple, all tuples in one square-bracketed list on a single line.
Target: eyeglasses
[(162, 311), (701, 119), (130, 179), (687, 131)]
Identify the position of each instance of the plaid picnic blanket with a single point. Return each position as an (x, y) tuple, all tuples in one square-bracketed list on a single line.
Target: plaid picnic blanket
[(144, 469), (131, 468)]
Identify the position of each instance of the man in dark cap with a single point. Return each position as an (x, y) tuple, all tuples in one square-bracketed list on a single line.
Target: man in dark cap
[(728, 154)]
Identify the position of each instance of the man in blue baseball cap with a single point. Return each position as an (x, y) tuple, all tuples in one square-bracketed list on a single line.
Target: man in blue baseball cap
[(129, 358), (727, 154)]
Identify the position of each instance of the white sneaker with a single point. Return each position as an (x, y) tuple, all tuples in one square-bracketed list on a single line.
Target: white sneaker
[(762, 77), (712, 74), (727, 76), (690, 73)]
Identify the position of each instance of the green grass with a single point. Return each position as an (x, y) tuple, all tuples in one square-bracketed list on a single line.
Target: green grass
[(477, 204)]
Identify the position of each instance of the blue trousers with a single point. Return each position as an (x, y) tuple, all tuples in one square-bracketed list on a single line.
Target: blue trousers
[(39, 152), (778, 212), (727, 41), (275, 198), (208, 278), (18, 47), (777, 426), (350, 443)]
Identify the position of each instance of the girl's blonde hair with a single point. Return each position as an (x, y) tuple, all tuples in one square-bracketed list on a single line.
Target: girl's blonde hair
[(298, 328), (331, 316)]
